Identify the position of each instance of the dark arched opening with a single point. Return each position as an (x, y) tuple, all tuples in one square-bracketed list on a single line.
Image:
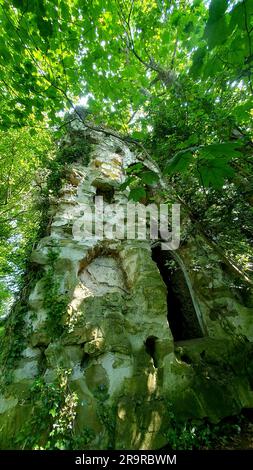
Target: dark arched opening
[(107, 193), (182, 316)]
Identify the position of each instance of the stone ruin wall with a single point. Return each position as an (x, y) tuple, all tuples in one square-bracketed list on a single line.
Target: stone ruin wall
[(116, 342)]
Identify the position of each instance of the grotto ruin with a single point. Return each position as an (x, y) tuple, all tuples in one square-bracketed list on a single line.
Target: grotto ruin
[(117, 333)]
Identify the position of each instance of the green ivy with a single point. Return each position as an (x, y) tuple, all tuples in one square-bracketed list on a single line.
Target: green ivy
[(54, 303), (106, 413), (190, 435), (53, 417)]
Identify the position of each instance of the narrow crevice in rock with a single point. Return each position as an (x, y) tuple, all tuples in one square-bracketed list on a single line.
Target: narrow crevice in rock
[(185, 358), (85, 361), (150, 348), (42, 364)]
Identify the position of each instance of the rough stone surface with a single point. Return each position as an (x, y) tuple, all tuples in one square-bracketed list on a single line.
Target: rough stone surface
[(116, 344)]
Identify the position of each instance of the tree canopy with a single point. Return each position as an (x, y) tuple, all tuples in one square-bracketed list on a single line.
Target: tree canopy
[(126, 56)]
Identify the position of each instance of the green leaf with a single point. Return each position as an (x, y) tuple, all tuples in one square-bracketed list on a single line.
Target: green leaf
[(211, 67), (216, 32), (138, 135), (149, 177), (45, 27), (137, 194), (4, 52), (213, 172), (179, 163), (127, 182), (217, 9), (53, 412), (64, 10), (237, 17), (166, 36), (242, 111), (225, 151), (52, 92), (19, 3), (197, 62), (136, 168), (212, 167)]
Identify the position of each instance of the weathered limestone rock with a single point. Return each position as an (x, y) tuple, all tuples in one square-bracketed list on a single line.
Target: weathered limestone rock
[(105, 326)]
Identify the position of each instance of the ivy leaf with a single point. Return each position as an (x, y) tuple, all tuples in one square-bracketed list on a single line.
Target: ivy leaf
[(53, 412)]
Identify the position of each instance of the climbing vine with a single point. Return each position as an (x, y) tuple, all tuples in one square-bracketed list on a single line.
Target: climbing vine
[(54, 302), (53, 417)]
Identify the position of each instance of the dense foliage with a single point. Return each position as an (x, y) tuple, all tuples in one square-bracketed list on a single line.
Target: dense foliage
[(22, 170), (175, 76)]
